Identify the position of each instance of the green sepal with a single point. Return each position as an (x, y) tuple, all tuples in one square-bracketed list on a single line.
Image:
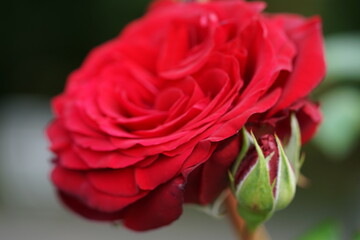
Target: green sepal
[(302, 160), (286, 180), (232, 181), (244, 149), (254, 192), (293, 148)]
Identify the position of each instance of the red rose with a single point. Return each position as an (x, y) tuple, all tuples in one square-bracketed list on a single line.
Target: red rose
[(150, 120)]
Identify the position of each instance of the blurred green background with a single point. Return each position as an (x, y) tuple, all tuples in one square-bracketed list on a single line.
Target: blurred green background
[(43, 41)]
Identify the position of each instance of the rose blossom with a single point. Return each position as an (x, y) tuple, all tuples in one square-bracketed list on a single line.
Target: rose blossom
[(150, 120)]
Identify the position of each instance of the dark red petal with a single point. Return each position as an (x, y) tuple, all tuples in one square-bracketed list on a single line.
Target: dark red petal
[(160, 208), (76, 205), (307, 114), (269, 146), (192, 190), (215, 173), (309, 118), (209, 180), (77, 184)]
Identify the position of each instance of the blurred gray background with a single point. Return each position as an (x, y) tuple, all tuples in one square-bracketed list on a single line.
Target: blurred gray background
[(44, 40)]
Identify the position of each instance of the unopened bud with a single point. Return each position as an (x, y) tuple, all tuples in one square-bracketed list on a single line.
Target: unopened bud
[(265, 179)]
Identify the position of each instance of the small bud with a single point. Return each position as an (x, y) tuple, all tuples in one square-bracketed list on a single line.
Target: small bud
[(254, 191), (264, 180)]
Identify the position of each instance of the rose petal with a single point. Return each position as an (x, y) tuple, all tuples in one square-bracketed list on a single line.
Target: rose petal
[(77, 184), (215, 172), (76, 205), (58, 136), (106, 159), (69, 159), (244, 111), (164, 169), (208, 181), (309, 66), (188, 45), (201, 153), (114, 182), (161, 208), (309, 118)]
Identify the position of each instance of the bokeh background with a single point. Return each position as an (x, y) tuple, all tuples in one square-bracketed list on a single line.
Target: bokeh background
[(43, 41)]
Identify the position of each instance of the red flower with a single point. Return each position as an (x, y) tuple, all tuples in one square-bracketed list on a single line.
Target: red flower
[(154, 113)]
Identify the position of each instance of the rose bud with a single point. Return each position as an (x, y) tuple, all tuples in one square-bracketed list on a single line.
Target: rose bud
[(266, 178)]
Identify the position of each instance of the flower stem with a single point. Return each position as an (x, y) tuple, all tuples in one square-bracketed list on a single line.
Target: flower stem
[(239, 224)]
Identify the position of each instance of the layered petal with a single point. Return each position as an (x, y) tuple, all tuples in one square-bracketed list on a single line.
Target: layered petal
[(309, 65)]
